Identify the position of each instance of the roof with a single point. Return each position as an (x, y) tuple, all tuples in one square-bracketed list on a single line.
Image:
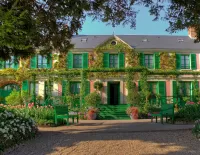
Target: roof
[(139, 41)]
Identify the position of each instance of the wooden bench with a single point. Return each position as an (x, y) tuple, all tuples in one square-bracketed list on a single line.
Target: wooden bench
[(167, 111), (62, 112)]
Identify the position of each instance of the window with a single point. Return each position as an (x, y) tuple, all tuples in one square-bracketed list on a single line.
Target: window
[(11, 87), (113, 61), (42, 61), (148, 61), (185, 62), (185, 88), (9, 63), (75, 87), (77, 61), (36, 88)]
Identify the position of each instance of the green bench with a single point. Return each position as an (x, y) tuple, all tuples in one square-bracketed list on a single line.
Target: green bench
[(167, 111), (62, 112)]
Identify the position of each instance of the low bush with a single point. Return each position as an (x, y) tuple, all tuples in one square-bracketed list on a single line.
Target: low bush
[(93, 99), (14, 128), (196, 129), (189, 113), (17, 98)]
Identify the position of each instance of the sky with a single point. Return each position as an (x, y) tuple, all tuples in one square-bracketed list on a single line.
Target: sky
[(144, 26)]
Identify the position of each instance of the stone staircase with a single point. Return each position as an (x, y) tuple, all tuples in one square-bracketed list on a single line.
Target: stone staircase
[(113, 112)]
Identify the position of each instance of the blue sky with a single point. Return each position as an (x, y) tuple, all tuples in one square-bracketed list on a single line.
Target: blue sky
[(145, 25)]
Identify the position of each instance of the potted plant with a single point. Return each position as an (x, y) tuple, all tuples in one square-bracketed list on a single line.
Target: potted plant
[(92, 101), (98, 85), (132, 112)]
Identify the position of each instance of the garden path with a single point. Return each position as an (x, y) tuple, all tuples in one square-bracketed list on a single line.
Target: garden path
[(112, 138)]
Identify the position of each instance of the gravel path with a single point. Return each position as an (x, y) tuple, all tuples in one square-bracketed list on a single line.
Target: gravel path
[(64, 142)]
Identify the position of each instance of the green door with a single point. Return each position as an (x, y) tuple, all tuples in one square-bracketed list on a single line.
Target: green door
[(113, 93)]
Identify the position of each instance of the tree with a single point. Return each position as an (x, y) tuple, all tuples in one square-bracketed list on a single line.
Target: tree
[(27, 25)]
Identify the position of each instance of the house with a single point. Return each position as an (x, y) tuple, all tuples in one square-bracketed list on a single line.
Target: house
[(155, 52)]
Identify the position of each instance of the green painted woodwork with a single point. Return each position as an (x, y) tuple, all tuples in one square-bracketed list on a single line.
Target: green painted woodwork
[(108, 93), (87, 88), (156, 60), (162, 91), (113, 112), (25, 85), (193, 61), (62, 112), (49, 61), (64, 88), (178, 61), (34, 62), (70, 60), (121, 60), (174, 85), (106, 60), (85, 60), (141, 59)]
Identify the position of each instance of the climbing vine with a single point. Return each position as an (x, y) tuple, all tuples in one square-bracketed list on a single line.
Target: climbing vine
[(168, 61)]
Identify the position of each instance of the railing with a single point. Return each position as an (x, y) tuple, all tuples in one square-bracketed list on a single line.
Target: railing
[(171, 99)]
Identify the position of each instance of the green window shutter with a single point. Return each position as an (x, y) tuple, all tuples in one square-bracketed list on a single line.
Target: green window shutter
[(162, 91), (106, 60), (108, 93), (25, 86), (70, 60), (65, 85), (141, 59), (2, 64), (49, 61), (193, 61), (156, 60), (178, 61), (121, 60), (15, 63), (85, 60), (34, 62), (174, 84), (87, 88)]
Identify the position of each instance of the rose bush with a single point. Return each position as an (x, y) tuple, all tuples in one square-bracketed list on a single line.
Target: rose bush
[(14, 128)]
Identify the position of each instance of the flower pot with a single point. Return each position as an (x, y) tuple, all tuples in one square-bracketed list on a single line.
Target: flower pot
[(91, 116), (134, 116)]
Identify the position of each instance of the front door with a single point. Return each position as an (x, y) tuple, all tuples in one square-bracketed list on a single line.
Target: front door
[(113, 93)]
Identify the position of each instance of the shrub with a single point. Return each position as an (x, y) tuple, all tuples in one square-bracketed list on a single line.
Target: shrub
[(196, 129), (17, 98), (98, 85), (93, 99), (189, 113), (14, 128)]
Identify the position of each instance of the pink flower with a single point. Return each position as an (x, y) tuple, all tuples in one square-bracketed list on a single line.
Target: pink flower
[(30, 105)]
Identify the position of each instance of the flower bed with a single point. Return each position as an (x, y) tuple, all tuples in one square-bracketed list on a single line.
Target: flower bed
[(14, 128), (42, 115)]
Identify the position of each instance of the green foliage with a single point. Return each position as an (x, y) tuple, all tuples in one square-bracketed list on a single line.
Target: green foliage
[(15, 128), (98, 85), (133, 97), (189, 113), (93, 100), (196, 129), (17, 98)]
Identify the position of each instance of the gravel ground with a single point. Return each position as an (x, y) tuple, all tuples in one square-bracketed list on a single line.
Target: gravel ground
[(112, 138), (139, 143)]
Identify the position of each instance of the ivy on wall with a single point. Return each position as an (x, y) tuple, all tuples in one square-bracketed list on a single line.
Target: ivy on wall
[(168, 61)]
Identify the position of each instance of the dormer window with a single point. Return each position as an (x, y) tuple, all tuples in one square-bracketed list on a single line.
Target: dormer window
[(84, 40), (180, 40), (145, 40)]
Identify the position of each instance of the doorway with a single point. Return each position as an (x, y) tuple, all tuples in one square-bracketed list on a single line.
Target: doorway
[(113, 93)]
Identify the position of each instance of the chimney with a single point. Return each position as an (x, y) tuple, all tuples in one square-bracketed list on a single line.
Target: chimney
[(192, 33)]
